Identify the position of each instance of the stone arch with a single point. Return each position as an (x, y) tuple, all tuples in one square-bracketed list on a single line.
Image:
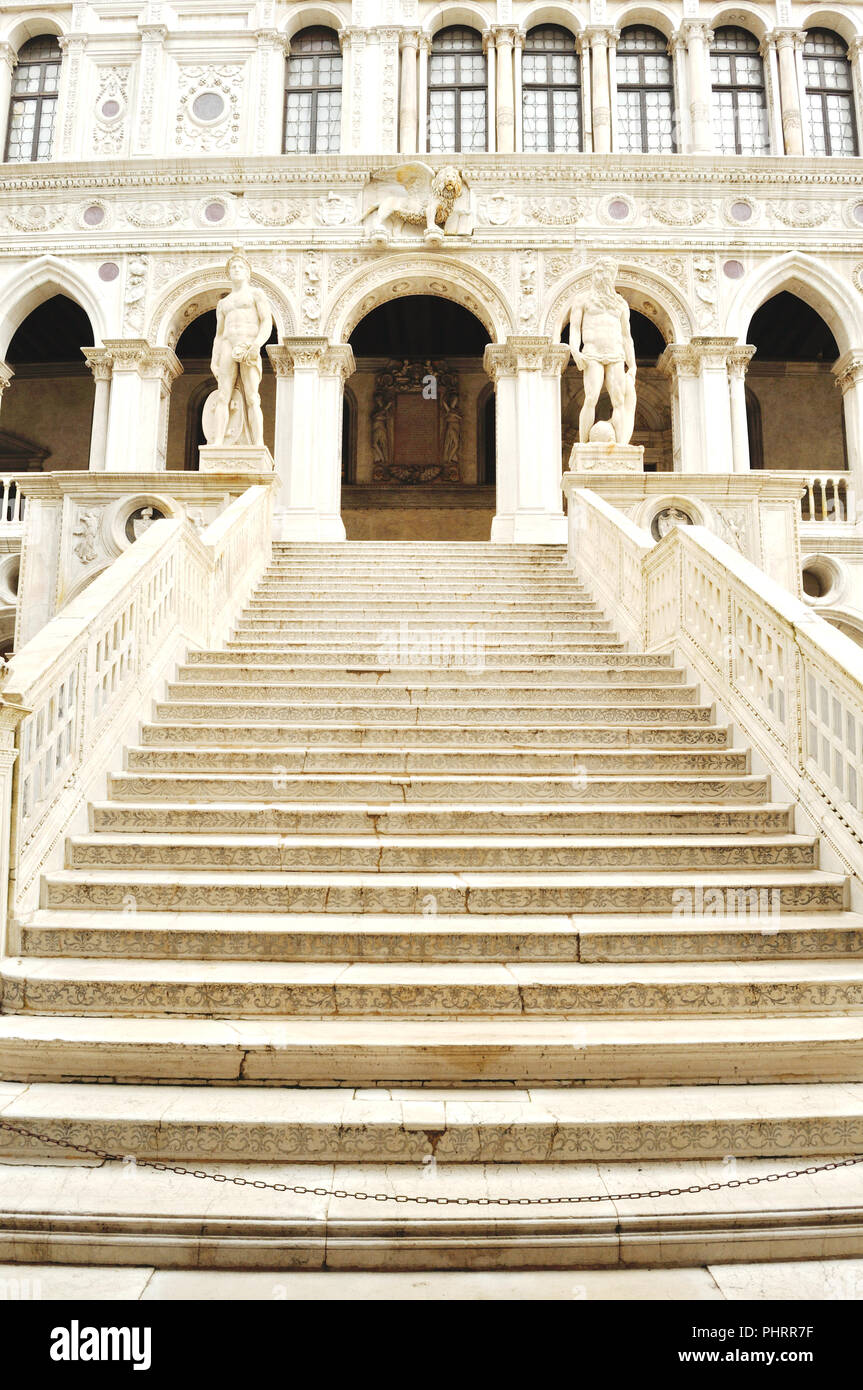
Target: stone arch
[(192, 295), (651, 16), (469, 15), (39, 281), (301, 17), (732, 16), (813, 282), (394, 277), (835, 20), (561, 15), (645, 290), (31, 26)]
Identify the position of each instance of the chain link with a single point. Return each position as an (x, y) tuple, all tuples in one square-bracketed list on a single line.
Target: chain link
[(425, 1201)]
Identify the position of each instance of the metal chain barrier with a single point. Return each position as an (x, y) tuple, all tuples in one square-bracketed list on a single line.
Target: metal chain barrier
[(422, 1200)]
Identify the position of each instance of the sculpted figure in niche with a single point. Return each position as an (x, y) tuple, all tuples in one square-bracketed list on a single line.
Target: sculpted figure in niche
[(243, 324), (602, 348), (381, 413)]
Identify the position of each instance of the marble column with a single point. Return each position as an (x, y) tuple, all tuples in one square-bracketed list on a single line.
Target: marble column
[(738, 363), (698, 37), (408, 94), (8, 59), (490, 52), (855, 48), (423, 51), (138, 412), (526, 372), (848, 371), (504, 43), (100, 364), (701, 417), (598, 39), (770, 59), (310, 378), (788, 41), (517, 52)]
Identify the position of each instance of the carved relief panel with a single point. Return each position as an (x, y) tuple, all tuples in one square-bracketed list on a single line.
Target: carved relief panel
[(416, 423)]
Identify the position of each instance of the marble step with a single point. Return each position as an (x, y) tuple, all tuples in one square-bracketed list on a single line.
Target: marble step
[(702, 934), (375, 853), (345, 641), (552, 892), (489, 1056), (484, 681), (429, 788), (213, 758), (145, 1218), (194, 817), (340, 692), (429, 734), (544, 1125), (247, 989), (537, 619), (644, 707), (350, 656), (296, 605)]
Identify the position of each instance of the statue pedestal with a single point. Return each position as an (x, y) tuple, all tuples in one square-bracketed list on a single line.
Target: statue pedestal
[(235, 458), (606, 458)]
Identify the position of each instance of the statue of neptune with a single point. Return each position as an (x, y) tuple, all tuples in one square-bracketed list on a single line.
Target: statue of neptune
[(243, 324), (602, 348)]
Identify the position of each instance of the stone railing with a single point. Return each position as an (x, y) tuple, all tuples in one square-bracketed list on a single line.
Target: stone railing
[(827, 497), (790, 681), (11, 501), (73, 695)]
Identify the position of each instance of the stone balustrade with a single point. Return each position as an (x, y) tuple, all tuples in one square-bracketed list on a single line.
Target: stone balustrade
[(828, 497), (85, 680), (788, 680)]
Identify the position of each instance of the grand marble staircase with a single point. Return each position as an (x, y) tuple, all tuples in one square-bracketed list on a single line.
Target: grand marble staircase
[(426, 869)]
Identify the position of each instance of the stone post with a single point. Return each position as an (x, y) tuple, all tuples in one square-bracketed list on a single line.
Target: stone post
[(100, 363), (66, 144), (526, 372), (8, 59), (738, 362), (600, 88), (270, 93), (788, 42), (408, 107), (490, 52), (701, 418), (698, 37), (848, 371), (504, 42), (140, 394), (310, 378)]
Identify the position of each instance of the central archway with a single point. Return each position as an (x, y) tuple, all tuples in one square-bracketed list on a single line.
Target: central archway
[(415, 438)]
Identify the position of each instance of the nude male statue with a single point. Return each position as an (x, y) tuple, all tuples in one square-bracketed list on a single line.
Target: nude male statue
[(602, 348), (243, 325)]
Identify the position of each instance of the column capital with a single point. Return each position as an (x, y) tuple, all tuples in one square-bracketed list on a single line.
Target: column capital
[(271, 38), (739, 358), (488, 40), (848, 370), (8, 55), (697, 29), (153, 33), (138, 355), (100, 361), (525, 353), (328, 359), (599, 35), (504, 34), (786, 38), (687, 360), (6, 375), (75, 43), (855, 48), (409, 38)]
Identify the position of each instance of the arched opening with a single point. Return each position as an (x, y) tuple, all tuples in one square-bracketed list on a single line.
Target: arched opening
[(653, 408), (794, 389), (49, 404), (457, 92), (33, 101), (313, 93), (419, 464), (191, 389), (645, 92)]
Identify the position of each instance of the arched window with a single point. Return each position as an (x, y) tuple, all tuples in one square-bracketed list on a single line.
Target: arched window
[(739, 100), (645, 92), (35, 84), (457, 92), (551, 91), (313, 93), (829, 94)]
